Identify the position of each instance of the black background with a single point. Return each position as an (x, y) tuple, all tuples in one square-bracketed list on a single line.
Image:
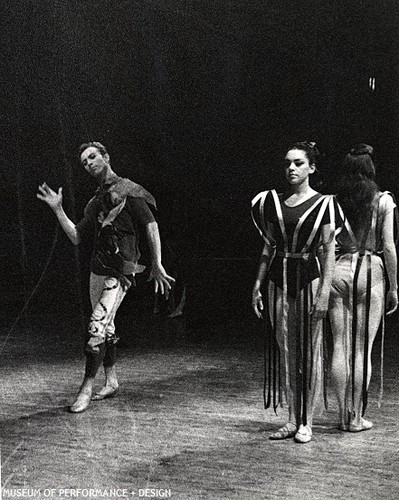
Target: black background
[(197, 101)]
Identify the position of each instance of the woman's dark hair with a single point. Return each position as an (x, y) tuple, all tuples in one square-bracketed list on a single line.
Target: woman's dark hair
[(310, 149), (356, 187), (98, 145)]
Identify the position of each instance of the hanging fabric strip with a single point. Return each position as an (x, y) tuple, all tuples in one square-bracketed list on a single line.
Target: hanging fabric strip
[(309, 292), (325, 360), (272, 378), (299, 353), (305, 353), (276, 356), (382, 354), (354, 328), (284, 326), (267, 355), (279, 380), (366, 334)]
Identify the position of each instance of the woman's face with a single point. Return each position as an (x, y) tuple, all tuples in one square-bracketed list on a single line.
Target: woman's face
[(297, 167)]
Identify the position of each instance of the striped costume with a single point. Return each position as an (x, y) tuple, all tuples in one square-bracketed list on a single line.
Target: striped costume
[(358, 302), (294, 347)]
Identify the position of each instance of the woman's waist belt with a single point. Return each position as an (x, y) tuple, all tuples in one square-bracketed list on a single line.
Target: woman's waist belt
[(368, 252), (361, 252), (294, 255)]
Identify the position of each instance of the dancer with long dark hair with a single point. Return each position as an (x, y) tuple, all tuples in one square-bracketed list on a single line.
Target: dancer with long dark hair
[(358, 295), (296, 265)]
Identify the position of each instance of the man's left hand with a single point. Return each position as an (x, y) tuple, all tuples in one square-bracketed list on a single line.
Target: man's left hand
[(162, 281)]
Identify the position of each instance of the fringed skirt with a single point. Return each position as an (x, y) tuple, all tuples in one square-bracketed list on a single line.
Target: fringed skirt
[(357, 312), (295, 351)]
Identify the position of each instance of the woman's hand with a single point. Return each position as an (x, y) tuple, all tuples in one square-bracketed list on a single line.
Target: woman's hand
[(53, 199), (257, 303), (392, 302)]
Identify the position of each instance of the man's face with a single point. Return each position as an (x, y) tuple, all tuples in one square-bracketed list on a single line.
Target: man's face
[(94, 162)]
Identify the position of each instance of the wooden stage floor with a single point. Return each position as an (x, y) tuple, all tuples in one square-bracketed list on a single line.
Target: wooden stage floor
[(188, 422)]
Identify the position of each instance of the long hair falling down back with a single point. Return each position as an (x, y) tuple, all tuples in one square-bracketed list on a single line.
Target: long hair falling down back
[(356, 188)]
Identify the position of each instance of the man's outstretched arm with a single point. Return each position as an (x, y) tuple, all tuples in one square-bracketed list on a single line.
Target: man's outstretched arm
[(54, 201)]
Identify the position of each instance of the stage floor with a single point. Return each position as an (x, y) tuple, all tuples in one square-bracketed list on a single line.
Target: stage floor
[(188, 422)]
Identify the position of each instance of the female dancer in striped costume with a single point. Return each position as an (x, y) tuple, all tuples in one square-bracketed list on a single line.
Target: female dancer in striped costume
[(296, 226), (358, 288)]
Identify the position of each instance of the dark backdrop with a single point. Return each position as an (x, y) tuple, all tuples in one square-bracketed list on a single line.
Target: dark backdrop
[(196, 100)]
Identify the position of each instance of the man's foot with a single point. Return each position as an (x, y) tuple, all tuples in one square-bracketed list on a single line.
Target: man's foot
[(304, 434), (81, 403), (287, 431), (108, 391)]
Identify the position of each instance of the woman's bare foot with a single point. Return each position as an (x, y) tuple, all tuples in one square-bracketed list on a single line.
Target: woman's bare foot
[(108, 391)]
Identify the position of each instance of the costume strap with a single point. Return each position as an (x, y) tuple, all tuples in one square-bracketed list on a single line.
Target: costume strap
[(354, 328), (306, 340), (285, 306), (113, 213), (331, 208), (272, 377), (302, 220), (280, 218), (396, 216), (326, 330), (261, 225), (382, 357), (125, 187), (272, 380), (347, 226), (316, 226), (277, 397), (267, 354), (293, 255), (366, 334), (373, 227)]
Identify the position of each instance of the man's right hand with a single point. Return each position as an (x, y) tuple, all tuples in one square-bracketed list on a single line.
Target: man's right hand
[(53, 199)]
